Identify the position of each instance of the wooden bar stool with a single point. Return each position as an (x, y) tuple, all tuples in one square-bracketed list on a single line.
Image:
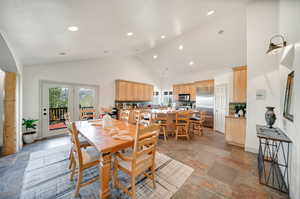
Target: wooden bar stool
[(182, 124), (197, 123), (161, 120)]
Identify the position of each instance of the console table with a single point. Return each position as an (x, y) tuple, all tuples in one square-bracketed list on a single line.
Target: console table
[(273, 158)]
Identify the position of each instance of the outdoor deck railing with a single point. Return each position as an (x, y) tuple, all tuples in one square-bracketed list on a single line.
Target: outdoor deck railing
[(57, 114)]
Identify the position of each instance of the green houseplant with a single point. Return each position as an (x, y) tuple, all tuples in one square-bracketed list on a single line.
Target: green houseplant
[(30, 133)]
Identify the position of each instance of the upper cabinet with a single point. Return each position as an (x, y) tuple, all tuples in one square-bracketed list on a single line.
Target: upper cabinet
[(184, 89), (191, 88), (240, 84), (133, 91)]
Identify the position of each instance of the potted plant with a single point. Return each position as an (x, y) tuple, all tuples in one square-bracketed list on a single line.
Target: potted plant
[(30, 134)]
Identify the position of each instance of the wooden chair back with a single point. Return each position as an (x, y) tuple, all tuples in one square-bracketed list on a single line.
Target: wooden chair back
[(145, 142), (136, 116), (182, 117), (68, 120), (87, 113), (77, 148), (202, 116), (161, 116), (124, 115), (146, 117)]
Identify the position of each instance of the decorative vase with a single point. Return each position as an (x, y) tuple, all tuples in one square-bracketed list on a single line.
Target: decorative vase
[(270, 116), (29, 137)]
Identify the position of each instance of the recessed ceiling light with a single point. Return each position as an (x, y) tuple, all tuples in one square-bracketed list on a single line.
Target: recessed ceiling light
[(210, 12), (73, 28), (154, 56), (129, 34), (163, 36), (191, 63), (180, 47)]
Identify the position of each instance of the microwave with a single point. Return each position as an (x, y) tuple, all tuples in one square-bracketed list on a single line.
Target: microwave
[(184, 97)]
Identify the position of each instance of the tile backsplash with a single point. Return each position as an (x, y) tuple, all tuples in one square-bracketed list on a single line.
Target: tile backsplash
[(233, 105)]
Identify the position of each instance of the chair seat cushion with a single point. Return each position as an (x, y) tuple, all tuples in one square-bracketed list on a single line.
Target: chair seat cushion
[(83, 141), (195, 118), (89, 154), (127, 164)]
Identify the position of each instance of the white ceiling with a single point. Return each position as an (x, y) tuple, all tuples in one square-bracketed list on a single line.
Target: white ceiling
[(37, 29)]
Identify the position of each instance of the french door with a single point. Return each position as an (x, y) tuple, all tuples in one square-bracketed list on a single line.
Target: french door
[(220, 107), (57, 99)]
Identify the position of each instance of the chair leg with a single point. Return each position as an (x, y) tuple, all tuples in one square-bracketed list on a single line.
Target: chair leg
[(71, 159), (73, 170), (115, 175), (78, 182), (165, 134), (133, 191), (153, 176), (186, 130)]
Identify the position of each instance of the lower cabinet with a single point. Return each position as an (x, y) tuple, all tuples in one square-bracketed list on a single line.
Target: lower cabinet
[(235, 130)]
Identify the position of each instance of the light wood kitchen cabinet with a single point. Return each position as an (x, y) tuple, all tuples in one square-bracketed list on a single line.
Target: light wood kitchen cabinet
[(184, 89), (235, 130), (190, 88), (133, 91), (240, 84)]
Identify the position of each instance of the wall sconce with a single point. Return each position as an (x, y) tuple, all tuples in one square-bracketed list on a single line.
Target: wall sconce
[(273, 47)]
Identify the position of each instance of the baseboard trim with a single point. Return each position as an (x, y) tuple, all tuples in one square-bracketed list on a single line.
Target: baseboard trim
[(251, 150)]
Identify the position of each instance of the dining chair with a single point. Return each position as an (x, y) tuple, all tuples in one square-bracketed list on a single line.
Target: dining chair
[(161, 120), (145, 117), (141, 160), (182, 124), (136, 116), (84, 158), (87, 113), (197, 123), (82, 140)]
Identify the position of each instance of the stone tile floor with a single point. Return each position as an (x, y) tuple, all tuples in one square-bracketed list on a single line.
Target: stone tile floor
[(221, 171)]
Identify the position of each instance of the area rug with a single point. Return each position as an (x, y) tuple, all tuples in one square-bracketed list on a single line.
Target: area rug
[(47, 176)]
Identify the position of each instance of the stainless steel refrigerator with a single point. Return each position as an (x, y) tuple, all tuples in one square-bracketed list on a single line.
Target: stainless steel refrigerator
[(205, 102)]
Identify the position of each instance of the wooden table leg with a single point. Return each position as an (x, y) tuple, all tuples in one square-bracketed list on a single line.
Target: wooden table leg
[(104, 175)]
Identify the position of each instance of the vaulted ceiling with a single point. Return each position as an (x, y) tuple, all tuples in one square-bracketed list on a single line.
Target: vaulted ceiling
[(38, 31)]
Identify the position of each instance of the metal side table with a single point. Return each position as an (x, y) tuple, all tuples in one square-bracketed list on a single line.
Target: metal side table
[(273, 158)]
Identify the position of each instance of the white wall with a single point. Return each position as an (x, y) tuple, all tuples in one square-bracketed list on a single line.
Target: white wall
[(262, 24), (264, 19), (101, 72), (289, 14)]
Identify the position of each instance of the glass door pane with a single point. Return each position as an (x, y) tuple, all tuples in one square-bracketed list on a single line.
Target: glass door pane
[(58, 107), (86, 102)]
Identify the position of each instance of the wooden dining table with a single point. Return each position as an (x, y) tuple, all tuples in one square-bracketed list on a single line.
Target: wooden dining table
[(103, 141)]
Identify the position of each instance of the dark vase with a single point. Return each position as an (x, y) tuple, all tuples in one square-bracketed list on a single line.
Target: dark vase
[(270, 116)]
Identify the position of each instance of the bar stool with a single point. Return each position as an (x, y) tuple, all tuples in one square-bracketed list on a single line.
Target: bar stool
[(197, 124), (182, 124), (161, 120)]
